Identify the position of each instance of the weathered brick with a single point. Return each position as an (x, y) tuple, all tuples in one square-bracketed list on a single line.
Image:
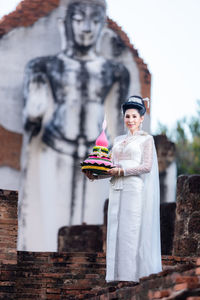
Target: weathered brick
[(8, 230), (185, 286), (187, 279), (197, 271), (160, 294)]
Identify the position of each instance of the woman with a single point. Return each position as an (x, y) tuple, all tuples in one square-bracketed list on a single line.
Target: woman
[(133, 233)]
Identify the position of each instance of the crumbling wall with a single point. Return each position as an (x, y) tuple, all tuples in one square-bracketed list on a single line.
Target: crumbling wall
[(187, 225)]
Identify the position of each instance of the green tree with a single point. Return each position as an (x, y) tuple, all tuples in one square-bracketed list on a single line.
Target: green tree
[(186, 136)]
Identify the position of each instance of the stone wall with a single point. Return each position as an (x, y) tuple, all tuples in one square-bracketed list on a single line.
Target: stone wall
[(187, 226)]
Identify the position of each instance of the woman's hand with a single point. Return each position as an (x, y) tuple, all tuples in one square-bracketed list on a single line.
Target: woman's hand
[(116, 172), (89, 175)]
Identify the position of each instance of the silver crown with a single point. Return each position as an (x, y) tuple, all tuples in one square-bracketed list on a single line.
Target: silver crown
[(134, 99), (137, 100)]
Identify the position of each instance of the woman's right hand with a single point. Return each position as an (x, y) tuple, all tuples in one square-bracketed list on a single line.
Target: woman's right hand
[(89, 175)]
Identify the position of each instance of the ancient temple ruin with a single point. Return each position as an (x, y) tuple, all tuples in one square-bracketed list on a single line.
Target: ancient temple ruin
[(77, 270)]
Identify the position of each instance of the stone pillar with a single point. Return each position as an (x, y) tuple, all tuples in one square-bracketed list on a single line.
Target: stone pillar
[(166, 152), (187, 224)]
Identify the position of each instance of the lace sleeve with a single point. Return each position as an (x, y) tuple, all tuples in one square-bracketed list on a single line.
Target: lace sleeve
[(147, 159)]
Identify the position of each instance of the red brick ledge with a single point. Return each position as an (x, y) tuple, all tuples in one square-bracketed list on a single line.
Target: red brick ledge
[(26, 14)]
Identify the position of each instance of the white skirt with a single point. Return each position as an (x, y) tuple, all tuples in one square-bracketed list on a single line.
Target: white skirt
[(133, 233), (123, 234)]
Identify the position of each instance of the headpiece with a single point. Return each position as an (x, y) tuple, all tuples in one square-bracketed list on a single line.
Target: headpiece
[(135, 102), (97, 2)]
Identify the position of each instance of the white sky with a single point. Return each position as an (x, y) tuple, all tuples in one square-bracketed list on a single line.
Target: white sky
[(166, 34)]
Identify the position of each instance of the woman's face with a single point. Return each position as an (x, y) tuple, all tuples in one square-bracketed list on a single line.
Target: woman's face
[(132, 119)]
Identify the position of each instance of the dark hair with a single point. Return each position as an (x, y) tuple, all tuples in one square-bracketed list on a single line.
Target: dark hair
[(134, 102)]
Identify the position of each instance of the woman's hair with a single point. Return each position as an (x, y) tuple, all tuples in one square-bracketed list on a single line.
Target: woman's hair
[(135, 102)]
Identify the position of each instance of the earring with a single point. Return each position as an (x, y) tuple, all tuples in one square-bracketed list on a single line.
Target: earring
[(141, 126)]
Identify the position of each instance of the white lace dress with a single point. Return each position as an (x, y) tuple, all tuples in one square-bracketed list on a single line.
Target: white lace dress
[(133, 234)]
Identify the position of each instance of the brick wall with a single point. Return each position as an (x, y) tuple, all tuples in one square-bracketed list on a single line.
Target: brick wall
[(187, 226), (8, 227), (181, 282), (10, 148), (38, 275), (81, 276)]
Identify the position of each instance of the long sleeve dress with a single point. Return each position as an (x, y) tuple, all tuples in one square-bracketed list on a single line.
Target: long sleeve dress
[(133, 233)]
